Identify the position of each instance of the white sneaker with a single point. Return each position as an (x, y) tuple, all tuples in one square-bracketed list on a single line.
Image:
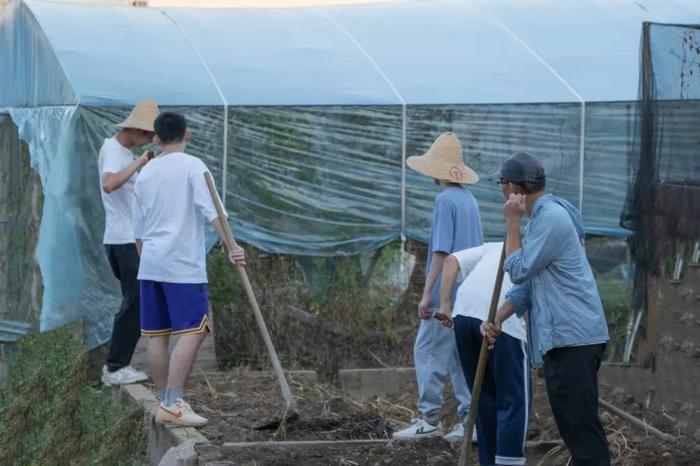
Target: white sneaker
[(457, 434), (123, 376), (141, 376), (417, 430), (180, 414)]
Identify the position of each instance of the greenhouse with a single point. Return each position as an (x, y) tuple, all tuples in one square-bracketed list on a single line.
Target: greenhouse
[(305, 116)]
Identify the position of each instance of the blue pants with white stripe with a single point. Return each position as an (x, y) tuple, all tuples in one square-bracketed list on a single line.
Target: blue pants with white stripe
[(501, 422)]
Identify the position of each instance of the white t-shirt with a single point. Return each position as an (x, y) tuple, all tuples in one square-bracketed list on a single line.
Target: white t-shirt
[(173, 205), (478, 268), (119, 203)]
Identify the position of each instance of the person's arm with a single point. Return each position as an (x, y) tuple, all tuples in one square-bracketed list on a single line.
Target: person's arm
[(545, 237), (517, 302), (113, 181), (519, 296), (139, 246), (442, 241), (491, 331), (450, 270), (236, 254), (205, 203), (513, 211), (457, 266), (424, 311)]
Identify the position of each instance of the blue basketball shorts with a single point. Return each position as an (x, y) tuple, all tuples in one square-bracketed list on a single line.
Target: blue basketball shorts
[(173, 308)]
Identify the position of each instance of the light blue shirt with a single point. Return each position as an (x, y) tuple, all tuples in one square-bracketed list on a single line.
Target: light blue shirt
[(456, 226), (554, 281)]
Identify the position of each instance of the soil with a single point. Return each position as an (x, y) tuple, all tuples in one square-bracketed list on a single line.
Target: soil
[(237, 402), (430, 452)]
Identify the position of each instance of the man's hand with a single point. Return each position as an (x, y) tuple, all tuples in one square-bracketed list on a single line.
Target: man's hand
[(424, 311), (237, 256), (491, 332), (514, 208), (443, 315), (145, 157)]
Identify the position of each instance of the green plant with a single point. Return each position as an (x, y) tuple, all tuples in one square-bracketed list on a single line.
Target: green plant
[(617, 304), (51, 415), (322, 312)]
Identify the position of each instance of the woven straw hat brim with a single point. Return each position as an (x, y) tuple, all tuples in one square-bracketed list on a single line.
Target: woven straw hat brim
[(142, 116), (442, 171), (134, 124)]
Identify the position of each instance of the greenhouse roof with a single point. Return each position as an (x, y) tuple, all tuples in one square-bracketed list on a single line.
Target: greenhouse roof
[(401, 52)]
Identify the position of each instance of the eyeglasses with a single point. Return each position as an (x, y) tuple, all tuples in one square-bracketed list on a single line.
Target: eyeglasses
[(502, 181)]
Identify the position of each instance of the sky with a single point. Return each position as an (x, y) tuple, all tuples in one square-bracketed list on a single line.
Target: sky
[(230, 3)]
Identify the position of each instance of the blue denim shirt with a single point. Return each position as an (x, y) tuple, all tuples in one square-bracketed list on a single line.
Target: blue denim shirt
[(554, 281)]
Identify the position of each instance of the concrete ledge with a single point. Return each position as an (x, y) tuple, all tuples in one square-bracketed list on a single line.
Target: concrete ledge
[(370, 383), (227, 447), (161, 438), (534, 451), (181, 455)]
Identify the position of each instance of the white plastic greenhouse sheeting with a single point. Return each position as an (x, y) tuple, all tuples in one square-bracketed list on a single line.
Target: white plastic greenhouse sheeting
[(413, 52), (320, 107)]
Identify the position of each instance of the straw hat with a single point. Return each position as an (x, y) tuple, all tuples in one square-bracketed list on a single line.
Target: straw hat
[(142, 116), (444, 162)]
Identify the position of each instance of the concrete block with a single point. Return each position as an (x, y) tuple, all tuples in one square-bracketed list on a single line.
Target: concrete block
[(161, 438), (185, 434), (370, 383), (181, 455), (139, 394)]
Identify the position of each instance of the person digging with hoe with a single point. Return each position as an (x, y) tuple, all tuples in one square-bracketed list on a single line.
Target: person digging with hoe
[(173, 205), (502, 413), (554, 285)]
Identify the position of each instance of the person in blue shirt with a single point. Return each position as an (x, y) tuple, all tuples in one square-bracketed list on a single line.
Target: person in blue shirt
[(555, 287), (456, 226)]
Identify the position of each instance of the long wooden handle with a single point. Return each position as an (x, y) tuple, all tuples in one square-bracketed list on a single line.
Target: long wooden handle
[(231, 245), (465, 456)]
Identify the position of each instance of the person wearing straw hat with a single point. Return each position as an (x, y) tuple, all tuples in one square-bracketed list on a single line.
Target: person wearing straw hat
[(118, 171), (173, 205), (456, 225)]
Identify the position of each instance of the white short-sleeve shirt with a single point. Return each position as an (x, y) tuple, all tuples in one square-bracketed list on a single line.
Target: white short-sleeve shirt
[(477, 269), (119, 203), (173, 205)]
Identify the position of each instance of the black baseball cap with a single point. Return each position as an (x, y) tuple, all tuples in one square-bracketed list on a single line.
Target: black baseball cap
[(521, 168)]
